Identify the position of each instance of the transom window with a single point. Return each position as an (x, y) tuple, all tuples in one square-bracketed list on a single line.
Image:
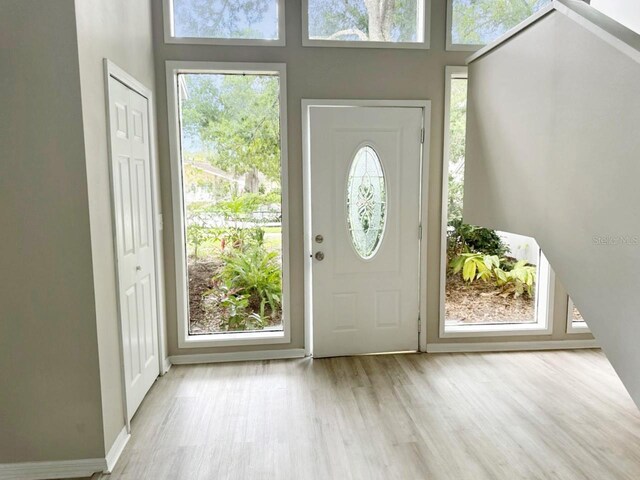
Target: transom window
[(474, 23), (366, 23), (237, 22)]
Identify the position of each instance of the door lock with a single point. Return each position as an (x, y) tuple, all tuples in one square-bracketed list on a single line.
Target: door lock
[(138, 268), (319, 256)]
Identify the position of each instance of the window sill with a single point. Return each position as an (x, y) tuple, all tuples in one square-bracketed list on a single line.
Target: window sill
[(234, 339), (577, 327), (505, 330)]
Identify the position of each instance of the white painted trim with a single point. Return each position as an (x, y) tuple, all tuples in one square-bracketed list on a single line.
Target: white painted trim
[(579, 327), (450, 46), (451, 72), (116, 449), (306, 104), (166, 365), (52, 470), (113, 70), (510, 346), (168, 27), (424, 43), (173, 68), (237, 356)]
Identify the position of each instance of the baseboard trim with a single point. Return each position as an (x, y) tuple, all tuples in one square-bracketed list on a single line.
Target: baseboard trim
[(116, 449), (510, 346), (51, 470), (237, 356), (166, 365)]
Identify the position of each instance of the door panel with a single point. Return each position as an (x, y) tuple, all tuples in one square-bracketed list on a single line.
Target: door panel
[(365, 302), (134, 240)]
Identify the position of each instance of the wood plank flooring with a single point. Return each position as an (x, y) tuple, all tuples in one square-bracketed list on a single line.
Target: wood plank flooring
[(532, 415)]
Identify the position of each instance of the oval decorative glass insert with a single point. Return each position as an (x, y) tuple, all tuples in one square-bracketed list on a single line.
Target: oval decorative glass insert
[(366, 202)]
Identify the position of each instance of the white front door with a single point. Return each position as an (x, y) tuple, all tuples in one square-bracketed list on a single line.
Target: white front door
[(365, 168), (132, 202)]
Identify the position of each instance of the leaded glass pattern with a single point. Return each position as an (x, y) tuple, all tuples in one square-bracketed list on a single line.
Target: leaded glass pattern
[(366, 202)]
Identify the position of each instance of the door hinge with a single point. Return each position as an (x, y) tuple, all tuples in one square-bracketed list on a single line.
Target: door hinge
[(419, 324), (420, 232), (422, 136)]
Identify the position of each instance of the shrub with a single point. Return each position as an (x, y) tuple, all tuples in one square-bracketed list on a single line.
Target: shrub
[(256, 273), (520, 279), (237, 317), (517, 281), (470, 238)]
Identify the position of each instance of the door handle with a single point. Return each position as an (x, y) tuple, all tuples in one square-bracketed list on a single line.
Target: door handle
[(319, 256)]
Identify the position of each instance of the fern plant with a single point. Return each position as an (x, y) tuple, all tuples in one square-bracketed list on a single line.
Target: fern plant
[(256, 273)]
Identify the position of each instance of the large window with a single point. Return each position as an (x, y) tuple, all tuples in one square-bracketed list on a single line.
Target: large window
[(492, 282), (366, 23), (474, 23), (575, 321), (235, 22), (228, 184)]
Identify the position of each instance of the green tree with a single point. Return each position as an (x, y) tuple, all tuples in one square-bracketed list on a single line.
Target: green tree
[(457, 136), (235, 119), (222, 18), (366, 20), (478, 22)]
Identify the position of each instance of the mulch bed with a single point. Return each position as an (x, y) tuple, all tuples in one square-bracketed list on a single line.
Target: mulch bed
[(481, 302), (205, 313)]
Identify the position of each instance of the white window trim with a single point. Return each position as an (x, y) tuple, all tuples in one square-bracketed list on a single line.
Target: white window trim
[(546, 277), (456, 47), (173, 68), (575, 327), (425, 44), (169, 36)]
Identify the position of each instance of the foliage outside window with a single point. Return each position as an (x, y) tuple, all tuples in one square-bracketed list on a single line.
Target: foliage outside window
[(491, 276), (230, 137), (226, 19), (394, 21), (479, 22)]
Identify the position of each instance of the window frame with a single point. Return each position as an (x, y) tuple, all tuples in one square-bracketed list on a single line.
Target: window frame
[(582, 327), (170, 38), (463, 47), (425, 44), (456, 47), (185, 340), (545, 278)]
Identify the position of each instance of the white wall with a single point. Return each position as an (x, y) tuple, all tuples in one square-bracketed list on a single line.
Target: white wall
[(49, 379), (552, 124), (626, 12), (119, 30)]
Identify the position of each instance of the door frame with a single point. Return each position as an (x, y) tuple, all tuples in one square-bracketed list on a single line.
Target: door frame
[(111, 70), (425, 105)]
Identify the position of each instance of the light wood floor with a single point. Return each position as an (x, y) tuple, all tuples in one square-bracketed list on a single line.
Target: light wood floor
[(542, 415)]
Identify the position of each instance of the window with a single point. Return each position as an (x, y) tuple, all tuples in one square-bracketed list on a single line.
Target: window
[(366, 23), (229, 182), (575, 322), (492, 282), (366, 202), (226, 22), (474, 23)]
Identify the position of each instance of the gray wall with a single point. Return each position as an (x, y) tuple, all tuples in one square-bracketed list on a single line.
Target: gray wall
[(119, 30), (50, 401), (335, 73), (552, 123)]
